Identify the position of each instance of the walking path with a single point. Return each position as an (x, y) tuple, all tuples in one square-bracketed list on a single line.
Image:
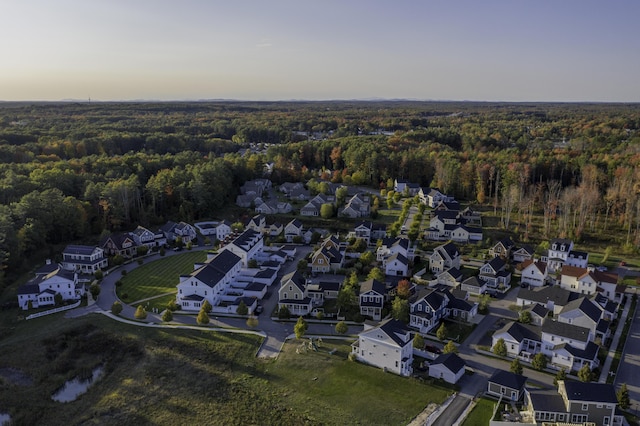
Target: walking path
[(614, 343)]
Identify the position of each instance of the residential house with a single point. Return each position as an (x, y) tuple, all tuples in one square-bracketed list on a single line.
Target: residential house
[(522, 254), (321, 291), (521, 340), (534, 273), (427, 307), (585, 281), (41, 291), (246, 245), (558, 253), (293, 230), (300, 194), (143, 237), (399, 185), (119, 244), (569, 346), (432, 197), (459, 308), (274, 229), (219, 230), (448, 367), (84, 259), (574, 403), (507, 385), (312, 208), (579, 259), (451, 277), (396, 265), (474, 286), (387, 346), (371, 299), (183, 230), (369, 231), (448, 205), (258, 223), (209, 281), (461, 233), (495, 275), (273, 207), (329, 257), (502, 249), (293, 295), (288, 187), (356, 206), (445, 256), (471, 217), (553, 298), (538, 313), (582, 312)]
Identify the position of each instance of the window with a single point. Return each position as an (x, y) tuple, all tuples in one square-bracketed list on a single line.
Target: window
[(605, 420), (585, 407)]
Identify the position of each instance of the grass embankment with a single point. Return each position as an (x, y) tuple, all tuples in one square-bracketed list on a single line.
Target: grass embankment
[(161, 376), (157, 277), (481, 413)]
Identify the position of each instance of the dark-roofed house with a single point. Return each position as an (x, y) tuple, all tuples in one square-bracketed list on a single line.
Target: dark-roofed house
[(387, 346), (520, 339), (583, 312), (41, 290), (448, 367), (534, 273), (356, 206), (557, 254), (84, 259), (293, 295), (371, 299), (396, 265), (495, 275), (574, 403), (538, 313), (427, 307), (246, 245), (451, 277), (474, 286), (209, 281), (523, 253), (118, 244), (506, 385), (502, 248), (552, 297), (444, 257), (293, 230)]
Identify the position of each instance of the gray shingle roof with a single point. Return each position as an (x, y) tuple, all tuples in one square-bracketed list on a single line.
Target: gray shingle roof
[(508, 379), (562, 329), (591, 392), (452, 361)]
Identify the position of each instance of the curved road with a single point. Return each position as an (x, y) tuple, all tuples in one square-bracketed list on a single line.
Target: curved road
[(275, 332)]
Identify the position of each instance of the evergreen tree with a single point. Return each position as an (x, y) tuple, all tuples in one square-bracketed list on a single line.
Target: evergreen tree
[(116, 308), (342, 327), (202, 318), (167, 315), (140, 313), (450, 347), (624, 401), (500, 348), (300, 328), (242, 309), (515, 367), (441, 333)]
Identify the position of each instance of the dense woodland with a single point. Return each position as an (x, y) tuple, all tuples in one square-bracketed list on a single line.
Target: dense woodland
[(72, 171)]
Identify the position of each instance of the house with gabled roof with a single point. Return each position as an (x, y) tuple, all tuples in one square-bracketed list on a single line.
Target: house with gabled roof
[(553, 298), (444, 257), (573, 403), (502, 249), (427, 307), (448, 205), (387, 346), (522, 253), (41, 290), (496, 276), (538, 313), (143, 237), (173, 230), (121, 244), (293, 295), (368, 231), (287, 187), (520, 339), (257, 223), (451, 277), (474, 286), (534, 273), (84, 259), (312, 208), (292, 230), (329, 257), (246, 245), (557, 253), (396, 265), (507, 385), (371, 299), (390, 246), (356, 206), (209, 281), (448, 367), (218, 229)]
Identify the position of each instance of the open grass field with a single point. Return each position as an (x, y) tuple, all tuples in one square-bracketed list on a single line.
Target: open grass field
[(157, 277), (167, 377), (481, 413)]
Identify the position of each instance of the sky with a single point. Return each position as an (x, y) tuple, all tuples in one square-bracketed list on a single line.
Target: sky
[(479, 50)]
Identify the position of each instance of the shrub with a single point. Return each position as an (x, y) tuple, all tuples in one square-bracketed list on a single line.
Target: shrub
[(167, 315), (116, 308), (284, 313), (202, 318), (140, 313), (95, 290), (124, 273), (99, 274)]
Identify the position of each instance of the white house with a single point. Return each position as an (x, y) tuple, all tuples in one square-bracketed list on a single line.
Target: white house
[(371, 299), (246, 246), (144, 237), (396, 265), (293, 294), (292, 230), (558, 253), (356, 206), (84, 259), (495, 275), (444, 257), (534, 273), (387, 346), (209, 281), (42, 289), (448, 367)]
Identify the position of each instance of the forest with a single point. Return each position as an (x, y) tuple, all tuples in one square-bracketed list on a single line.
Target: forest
[(74, 171)]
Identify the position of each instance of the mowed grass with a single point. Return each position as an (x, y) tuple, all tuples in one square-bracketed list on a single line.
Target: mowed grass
[(481, 413), (334, 390), (158, 277)]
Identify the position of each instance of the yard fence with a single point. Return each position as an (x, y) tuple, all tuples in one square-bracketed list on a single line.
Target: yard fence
[(53, 311)]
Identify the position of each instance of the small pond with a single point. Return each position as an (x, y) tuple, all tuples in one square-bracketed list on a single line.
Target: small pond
[(72, 389)]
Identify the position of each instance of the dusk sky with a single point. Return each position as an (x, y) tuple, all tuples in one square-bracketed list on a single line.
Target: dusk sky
[(544, 50)]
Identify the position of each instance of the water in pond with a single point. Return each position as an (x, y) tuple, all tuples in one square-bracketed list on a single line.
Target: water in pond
[(72, 389)]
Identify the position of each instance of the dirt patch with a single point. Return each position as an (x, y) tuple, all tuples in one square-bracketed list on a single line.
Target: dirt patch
[(15, 376), (421, 419)]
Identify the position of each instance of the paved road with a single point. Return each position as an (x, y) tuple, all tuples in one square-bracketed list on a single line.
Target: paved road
[(629, 368)]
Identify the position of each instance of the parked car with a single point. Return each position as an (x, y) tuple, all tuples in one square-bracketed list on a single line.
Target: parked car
[(433, 349), (259, 309)]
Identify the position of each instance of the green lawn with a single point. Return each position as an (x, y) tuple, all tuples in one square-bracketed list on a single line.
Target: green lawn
[(157, 277), (481, 413), (346, 392)]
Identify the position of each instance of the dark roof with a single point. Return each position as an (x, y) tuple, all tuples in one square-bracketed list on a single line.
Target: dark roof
[(586, 306), (497, 263), (430, 296), (295, 222), (393, 328), (577, 253), (373, 285), (602, 326), (539, 310), (224, 261), (296, 278), (506, 243), (401, 258), (459, 304), (592, 392), (474, 281), (29, 289), (194, 297), (255, 287), (47, 268), (446, 214), (508, 379), (79, 249), (589, 352), (559, 242), (547, 400), (558, 295), (246, 240), (569, 331), (527, 248), (521, 331), (450, 248), (454, 272), (451, 360)]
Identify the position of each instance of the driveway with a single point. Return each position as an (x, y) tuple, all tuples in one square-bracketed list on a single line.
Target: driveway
[(629, 368)]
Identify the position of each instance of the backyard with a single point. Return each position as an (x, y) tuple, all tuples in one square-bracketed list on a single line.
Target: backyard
[(481, 413)]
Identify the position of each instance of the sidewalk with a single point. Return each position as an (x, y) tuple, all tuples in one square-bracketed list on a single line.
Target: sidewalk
[(614, 342)]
